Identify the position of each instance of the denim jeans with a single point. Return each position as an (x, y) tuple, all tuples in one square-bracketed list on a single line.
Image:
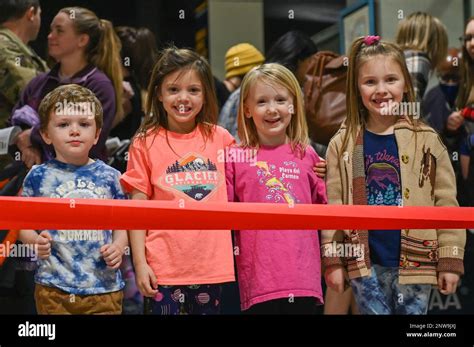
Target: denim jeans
[(382, 294)]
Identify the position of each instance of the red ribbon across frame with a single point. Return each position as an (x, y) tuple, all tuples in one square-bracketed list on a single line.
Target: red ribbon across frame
[(52, 213)]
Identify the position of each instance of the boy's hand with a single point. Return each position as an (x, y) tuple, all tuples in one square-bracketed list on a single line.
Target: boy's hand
[(146, 280), (43, 245), (320, 168), (335, 278), (112, 255), (447, 282)]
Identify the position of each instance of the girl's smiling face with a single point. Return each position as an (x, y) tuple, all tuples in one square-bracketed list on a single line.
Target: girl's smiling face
[(469, 33), (182, 95), (380, 83), (270, 106)]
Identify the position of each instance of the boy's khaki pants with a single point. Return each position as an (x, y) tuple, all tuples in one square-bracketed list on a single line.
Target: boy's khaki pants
[(51, 300)]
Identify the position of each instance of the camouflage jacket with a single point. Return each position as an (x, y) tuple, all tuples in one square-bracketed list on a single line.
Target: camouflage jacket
[(18, 65)]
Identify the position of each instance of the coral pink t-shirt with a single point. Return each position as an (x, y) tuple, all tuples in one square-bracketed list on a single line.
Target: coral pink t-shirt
[(171, 166)]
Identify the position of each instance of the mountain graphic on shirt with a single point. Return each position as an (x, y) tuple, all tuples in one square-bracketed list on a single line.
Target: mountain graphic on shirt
[(381, 175), (191, 163), (192, 175), (383, 185)]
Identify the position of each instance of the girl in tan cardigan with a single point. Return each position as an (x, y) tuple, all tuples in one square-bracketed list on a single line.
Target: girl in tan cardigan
[(383, 155)]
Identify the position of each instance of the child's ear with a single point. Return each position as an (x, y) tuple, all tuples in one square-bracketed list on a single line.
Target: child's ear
[(158, 94), (45, 136), (97, 134), (247, 111)]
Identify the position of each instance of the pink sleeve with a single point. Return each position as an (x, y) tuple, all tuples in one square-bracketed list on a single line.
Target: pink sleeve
[(138, 171), (319, 192), (318, 186), (230, 181)]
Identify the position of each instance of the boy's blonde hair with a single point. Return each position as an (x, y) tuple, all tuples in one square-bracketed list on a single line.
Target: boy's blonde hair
[(423, 32), (360, 53), (64, 95), (274, 74)]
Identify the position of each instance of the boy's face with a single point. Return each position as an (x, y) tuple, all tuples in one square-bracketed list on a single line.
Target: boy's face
[(72, 136)]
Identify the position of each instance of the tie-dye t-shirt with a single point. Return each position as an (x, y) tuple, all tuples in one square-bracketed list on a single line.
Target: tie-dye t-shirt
[(75, 264), (183, 167), (383, 184)]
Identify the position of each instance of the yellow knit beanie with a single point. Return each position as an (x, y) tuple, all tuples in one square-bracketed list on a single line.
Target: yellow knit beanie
[(241, 58)]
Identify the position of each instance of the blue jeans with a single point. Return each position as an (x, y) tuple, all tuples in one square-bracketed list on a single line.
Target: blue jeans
[(382, 294)]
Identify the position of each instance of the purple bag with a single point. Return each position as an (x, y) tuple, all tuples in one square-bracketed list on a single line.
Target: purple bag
[(25, 115)]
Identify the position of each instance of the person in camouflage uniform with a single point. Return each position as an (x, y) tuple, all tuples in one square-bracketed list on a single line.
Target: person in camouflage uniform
[(19, 24)]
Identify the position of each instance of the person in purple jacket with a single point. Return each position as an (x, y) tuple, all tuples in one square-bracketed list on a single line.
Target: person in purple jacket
[(87, 52), (279, 271)]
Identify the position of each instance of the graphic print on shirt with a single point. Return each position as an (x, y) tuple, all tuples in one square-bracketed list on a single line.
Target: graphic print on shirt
[(193, 176), (78, 187), (383, 180), (277, 181)]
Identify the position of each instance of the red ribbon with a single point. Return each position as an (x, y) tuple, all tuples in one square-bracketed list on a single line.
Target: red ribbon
[(51, 213)]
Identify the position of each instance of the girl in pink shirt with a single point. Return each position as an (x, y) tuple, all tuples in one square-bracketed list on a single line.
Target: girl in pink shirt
[(278, 270), (175, 156)]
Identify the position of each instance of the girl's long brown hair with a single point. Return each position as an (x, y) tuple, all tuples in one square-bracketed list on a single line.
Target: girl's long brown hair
[(174, 59), (467, 76)]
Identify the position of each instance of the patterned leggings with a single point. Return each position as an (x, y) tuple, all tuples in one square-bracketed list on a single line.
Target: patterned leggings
[(382, 294), (196, 299)]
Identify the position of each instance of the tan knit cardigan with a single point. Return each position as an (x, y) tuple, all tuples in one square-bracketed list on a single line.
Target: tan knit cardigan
[(427, 179)]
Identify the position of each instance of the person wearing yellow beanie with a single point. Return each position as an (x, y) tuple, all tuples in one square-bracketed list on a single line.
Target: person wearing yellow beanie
[(239, 60)]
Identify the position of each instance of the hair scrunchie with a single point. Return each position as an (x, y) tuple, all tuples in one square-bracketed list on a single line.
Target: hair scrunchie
[(371, 39)]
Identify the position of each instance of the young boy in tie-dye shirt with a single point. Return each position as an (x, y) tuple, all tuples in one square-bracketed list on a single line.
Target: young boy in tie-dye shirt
[(78, 270)]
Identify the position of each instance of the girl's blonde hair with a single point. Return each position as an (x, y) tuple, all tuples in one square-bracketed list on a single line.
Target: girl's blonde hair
[(360, 53), (173, 59), (467, 76), (423, 32), (274, 74), (103, 49)]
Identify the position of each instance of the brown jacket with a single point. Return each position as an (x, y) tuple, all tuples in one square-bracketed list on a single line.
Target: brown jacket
[(427, 179)]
